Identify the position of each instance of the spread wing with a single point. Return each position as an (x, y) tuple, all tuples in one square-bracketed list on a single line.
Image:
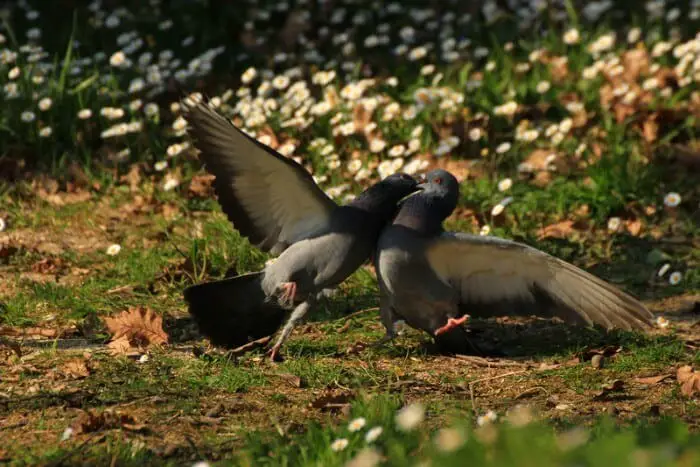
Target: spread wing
[(269, 198), (493, 277)]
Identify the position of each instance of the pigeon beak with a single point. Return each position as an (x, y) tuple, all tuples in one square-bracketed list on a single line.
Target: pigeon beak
[(418, 190)]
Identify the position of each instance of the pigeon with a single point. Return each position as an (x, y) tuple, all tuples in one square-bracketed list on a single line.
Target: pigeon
[(434, 280), (275, 203)]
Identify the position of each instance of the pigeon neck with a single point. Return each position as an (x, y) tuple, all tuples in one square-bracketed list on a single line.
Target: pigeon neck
[(421, 214), (376, 204)]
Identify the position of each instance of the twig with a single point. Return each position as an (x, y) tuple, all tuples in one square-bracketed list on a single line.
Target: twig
[(352, 315), (482, 380), (250, 346), (480, 361), (121, 288), (532, 390)]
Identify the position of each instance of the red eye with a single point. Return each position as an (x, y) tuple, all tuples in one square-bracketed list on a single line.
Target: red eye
[(437, 180)]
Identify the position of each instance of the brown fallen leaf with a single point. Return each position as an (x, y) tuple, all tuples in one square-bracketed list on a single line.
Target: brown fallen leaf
[(689, 380), (62, 199), (332, 402), (76, 369), (92, 421), (650, 129), (563, 229), (136, 328), (652, 380), (633, 227), (201, 186), (35, 332), (293, 380), (615, 386)]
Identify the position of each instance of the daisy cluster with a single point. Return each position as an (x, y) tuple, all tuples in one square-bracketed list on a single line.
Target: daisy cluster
[(355, 91)]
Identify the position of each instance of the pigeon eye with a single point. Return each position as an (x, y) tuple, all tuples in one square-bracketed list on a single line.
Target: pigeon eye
[(437, 180)]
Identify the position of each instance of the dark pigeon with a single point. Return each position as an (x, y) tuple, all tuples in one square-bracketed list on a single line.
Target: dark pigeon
[(434, 280), (275, 203)]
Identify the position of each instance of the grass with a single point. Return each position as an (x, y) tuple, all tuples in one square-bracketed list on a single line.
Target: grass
[(587, 158)]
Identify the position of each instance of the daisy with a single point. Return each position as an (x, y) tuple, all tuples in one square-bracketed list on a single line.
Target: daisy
[(487, 418), (672, 200), (572, 36), (505, 184), (339, 444), (675, 278), (357, 424), (409, 417), (503, 148), (114, 249)]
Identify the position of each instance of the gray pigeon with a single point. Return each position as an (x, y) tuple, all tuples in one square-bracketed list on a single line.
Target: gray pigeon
[(433, 280), (275, 203)]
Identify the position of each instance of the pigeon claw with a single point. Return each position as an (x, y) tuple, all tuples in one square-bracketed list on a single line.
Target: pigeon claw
[(274, 354), (288, 294), (451, 324)]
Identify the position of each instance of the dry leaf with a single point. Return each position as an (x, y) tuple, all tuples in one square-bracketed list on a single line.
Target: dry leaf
[(136, 328), (35, 332), (650, 129), (92, 421), (332, 402), (132, 178), (76, 369), (652, 380), (62, 199), (201, 186), (616, 386), (293, 380), (563, 229), (633, 227), (689, 380), (361, 116)]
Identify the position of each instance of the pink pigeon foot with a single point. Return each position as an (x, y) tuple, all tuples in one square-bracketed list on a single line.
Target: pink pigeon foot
[(289, 294), (451, 324)]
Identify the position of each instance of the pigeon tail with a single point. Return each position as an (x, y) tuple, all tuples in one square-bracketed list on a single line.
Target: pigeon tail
[(232, 312)]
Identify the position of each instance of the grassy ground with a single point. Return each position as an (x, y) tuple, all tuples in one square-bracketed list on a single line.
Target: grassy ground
[(587, 141)]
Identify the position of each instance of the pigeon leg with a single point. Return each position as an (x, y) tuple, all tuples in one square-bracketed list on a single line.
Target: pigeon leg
[(451, 324), (388, 317), (289, 293), (296, 315)]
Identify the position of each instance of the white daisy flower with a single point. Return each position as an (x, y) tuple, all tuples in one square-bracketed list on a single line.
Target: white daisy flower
[(45, 104), (663, 270), (614, 224), (572, 36), (373, 434), (409, 417), (339, 444), (661, 322), (503, 148), (114, 249), (357, 424), (675, 278), (84, 114), (672, 200), (505, 184), (543, 86), (27, 116), (488, 417)]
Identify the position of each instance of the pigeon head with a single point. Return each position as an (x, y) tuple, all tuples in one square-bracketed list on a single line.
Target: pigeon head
[(426, 211), (441, 189), (383, 197)]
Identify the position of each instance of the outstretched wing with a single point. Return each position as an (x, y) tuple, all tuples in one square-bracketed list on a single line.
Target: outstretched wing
[(269, 198), (494, 277)]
